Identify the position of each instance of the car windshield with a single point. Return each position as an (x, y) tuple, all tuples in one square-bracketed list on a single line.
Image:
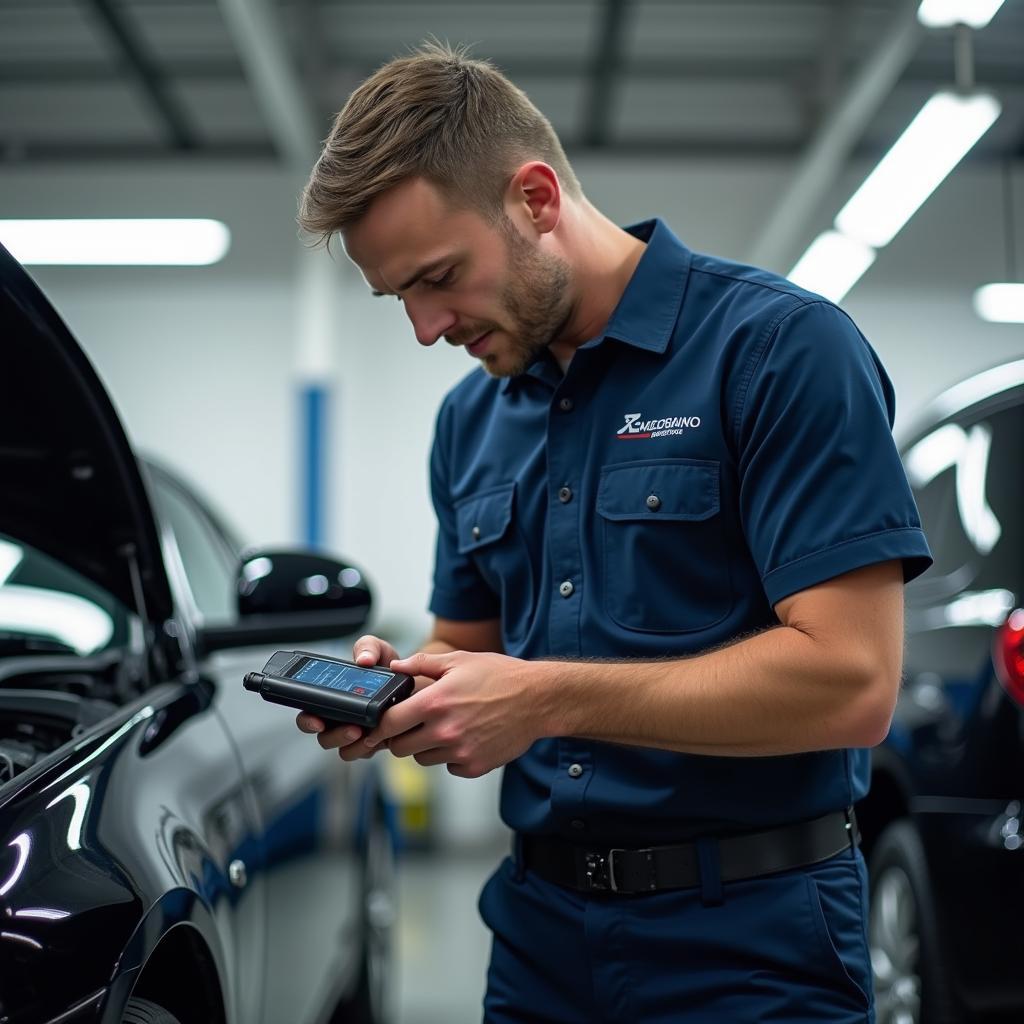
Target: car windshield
[(47, 608)]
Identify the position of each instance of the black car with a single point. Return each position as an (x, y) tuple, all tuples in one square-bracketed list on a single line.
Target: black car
[(942, 823), (171, 847)]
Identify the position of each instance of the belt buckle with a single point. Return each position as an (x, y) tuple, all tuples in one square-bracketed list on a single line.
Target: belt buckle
[(599, 871)]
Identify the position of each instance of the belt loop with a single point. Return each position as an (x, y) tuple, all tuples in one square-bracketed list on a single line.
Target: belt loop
[(519, 864), (710, 872), (851, 828)]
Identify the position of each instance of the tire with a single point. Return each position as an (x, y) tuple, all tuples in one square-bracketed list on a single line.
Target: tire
[(375, 998), (907, 959), (142, 1011)]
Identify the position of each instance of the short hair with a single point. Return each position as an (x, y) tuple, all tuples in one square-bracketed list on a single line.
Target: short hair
[(437, 114)]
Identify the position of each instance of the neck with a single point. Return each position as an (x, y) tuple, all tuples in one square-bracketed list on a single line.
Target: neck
[(603, 258)]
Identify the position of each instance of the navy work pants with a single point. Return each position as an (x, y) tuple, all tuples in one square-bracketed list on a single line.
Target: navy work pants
[(789, 948)]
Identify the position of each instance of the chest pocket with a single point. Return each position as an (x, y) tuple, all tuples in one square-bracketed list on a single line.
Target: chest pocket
[(489, 533), (666, 560)]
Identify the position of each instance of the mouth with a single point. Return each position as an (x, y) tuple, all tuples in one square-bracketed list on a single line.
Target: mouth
[(479, 347)]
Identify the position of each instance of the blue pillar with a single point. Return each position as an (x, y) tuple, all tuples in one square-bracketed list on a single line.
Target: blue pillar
[(313, 459)]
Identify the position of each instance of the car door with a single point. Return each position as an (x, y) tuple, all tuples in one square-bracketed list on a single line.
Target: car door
[(306, 801)]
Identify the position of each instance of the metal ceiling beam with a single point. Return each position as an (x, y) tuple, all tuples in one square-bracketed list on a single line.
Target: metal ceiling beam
[(763, 73), (605, 71), (23, 152), (835, 42), (289, 115), (785, 230), (174, 122)]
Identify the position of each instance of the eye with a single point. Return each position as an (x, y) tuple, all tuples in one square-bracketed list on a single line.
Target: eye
[(440, 282)]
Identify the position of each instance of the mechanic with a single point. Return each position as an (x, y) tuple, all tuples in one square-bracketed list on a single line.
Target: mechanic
[(673, 533)]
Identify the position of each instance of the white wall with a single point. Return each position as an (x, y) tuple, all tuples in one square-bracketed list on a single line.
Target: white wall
[(201, 362)]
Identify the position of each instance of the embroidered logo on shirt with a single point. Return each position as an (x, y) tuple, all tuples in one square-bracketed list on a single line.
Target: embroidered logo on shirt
[(637, 429)]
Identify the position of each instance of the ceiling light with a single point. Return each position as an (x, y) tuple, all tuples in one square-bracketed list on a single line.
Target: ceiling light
[(943, 132), (832, 265), (1000, 303), (943, 13), (180, 242)]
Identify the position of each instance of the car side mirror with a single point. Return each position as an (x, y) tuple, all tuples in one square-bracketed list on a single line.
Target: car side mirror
[(286, 596)]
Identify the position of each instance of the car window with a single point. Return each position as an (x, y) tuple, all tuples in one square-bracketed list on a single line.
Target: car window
[(46, 607), (209, 567)]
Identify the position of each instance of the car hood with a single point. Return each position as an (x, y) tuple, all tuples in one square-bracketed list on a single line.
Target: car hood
[(69, 482)]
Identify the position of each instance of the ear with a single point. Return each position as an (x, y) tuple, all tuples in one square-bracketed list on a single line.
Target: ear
[(534, 197)]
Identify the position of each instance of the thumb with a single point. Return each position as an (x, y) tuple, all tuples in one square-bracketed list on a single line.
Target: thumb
[(432, 665)]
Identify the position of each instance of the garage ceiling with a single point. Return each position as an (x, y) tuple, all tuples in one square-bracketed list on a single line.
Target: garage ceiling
[(128, 79)]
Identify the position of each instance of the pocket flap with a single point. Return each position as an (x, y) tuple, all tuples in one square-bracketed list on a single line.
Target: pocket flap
[(482, 518), (659, 489)]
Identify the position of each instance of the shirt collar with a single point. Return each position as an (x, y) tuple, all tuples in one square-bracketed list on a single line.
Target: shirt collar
[(649, 308)]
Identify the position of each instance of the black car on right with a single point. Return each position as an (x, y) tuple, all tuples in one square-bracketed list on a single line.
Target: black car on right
[(942, 823)]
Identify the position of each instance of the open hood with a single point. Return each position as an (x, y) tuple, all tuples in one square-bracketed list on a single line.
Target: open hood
[(69, 482)]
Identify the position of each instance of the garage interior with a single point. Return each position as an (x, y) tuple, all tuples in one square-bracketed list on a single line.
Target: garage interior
[(745, 124)]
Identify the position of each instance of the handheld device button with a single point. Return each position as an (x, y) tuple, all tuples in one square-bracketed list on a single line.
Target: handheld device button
[(575, 771), (653, 502), (566, 588), (565, 495)]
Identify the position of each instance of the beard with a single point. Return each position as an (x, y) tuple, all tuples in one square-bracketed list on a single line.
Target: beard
[(537, 303)]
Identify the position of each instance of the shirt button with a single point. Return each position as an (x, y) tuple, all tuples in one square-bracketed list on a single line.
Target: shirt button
[(564, 494), (653, 502), (575, 771), (578, 823), (476, 530), (566, 588), (565, 404)]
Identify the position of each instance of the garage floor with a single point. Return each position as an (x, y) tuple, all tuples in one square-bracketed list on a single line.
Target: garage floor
[(443, 947)]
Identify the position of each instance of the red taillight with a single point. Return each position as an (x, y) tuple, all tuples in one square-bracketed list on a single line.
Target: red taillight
[(1008, 655)]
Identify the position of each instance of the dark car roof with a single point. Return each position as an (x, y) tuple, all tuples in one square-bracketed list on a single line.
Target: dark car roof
[(69, 483)]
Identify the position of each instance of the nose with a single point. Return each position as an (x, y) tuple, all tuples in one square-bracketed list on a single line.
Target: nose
[(429, 321)]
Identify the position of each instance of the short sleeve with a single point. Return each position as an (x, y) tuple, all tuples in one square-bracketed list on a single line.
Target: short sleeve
[(822, 487), (459, 591)]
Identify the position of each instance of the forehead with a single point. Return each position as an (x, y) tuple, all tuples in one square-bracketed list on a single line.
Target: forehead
[(409, 224)]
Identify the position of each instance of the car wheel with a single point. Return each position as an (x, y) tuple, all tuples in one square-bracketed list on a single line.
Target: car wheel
[(142, 1011), (906, 956), (375, 997)]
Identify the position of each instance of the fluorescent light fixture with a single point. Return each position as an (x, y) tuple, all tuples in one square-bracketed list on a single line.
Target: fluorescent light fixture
[(1000, 303), (943, 132), (174, 243), (832, 265), (943, 13)]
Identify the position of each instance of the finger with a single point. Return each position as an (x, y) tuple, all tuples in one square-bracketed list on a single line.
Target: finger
[(432, 665), (429, 758), (400, 718), (309, 723), (339, 736), (357, 752), (413, 742), (368, 650)]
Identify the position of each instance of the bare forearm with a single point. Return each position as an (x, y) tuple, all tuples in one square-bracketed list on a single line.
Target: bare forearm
[(777, 692)]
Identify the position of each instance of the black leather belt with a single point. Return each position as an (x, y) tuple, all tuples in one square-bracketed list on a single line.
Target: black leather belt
[(678, 867)]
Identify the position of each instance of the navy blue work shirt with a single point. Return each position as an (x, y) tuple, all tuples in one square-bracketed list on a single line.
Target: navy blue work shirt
[(725, 443)]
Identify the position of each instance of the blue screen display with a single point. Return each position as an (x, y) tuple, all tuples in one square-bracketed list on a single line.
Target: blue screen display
[(364, 682)]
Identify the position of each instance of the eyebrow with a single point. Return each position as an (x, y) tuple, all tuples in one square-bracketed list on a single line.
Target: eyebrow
[(422, 272)]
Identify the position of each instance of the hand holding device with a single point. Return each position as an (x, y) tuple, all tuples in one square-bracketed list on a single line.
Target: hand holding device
[(333, 689)]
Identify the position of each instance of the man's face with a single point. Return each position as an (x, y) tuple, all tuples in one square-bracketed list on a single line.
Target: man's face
[(479, 285)]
